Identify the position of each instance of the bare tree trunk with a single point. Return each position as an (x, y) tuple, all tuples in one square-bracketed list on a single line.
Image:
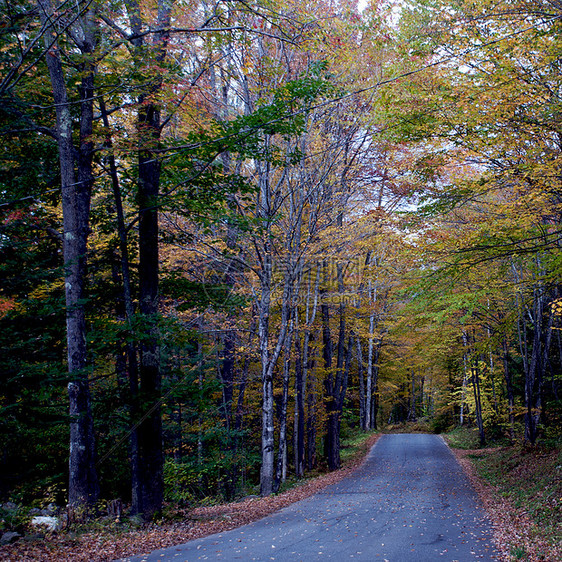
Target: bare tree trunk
[(267, 436), (369, 383), (301, 376), (375, 398), (130, 347), (475, 380), (282, 451), (148, 494), (464, 383), (491, 363), (76, 185), (412, 409), (329, 402), (534, 381), (333, 382), (422, 399), (478, 402), (312, 405), (298, 420), (361, 376), (509, 389)]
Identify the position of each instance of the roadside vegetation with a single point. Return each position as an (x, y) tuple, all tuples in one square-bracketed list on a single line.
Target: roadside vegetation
[(521, 487), (107, 538)]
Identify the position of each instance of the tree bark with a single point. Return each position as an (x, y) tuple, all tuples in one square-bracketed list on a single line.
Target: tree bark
[(534, 380), (333, 381), (475, 380), (76, 186), (361, 377), (280, 474), (298, 425), (509, 388), (312, 405), (148, 491)]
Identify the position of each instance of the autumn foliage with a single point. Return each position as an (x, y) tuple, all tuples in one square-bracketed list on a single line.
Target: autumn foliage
[(232, 234)]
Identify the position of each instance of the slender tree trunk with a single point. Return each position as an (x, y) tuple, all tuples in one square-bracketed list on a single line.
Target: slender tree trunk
[(227, 378), (475, 380), (333, 382), (282, 452), (244, 382), (478, 402), (312, 405), (492, 373), (130, 347), (412, 409), (267, 437), (361, 377), (463, 390), (509, 389), (148, 499), (534, 381), (302, 369), (422, 409), (375, 398), (369, 382), (298, 424)]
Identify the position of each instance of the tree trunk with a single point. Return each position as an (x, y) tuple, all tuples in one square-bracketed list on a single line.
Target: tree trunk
[(478, 404), (375, 398), (412, 409), (312, 404), (149, 490), (148, 498), (463, 390), (333, 383), (475, 380), (282, 451), (267, 436), (509, 389), (83, 488), (132, 366), (361, 377), (298, 429), (302, 368), (534, 380)]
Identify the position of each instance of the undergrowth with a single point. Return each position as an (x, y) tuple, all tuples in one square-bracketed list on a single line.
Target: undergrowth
[(464, 438), (529, 477), (421, 425), (532, 479)]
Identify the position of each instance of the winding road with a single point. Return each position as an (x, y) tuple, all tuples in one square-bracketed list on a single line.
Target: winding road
[(410, 501)]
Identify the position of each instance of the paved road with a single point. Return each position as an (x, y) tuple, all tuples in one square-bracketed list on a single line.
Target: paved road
[(409, 502)]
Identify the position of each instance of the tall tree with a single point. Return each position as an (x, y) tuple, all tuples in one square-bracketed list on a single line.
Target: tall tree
[(76, 187)]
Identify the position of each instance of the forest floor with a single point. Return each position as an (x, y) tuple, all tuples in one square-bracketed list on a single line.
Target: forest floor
[(112, 540), (521, 489)]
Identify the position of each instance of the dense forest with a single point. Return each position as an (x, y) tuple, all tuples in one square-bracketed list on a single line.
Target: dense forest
[(233, 233)]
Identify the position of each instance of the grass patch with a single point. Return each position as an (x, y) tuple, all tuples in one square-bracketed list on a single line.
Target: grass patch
[(532, 479), (463, 438), (353, 445), (518, 552)]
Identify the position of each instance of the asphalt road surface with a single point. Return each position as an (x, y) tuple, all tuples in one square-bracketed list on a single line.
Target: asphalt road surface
[(409, 502)]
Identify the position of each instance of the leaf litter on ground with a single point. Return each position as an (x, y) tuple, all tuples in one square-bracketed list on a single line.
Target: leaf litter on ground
[(103, 545)]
